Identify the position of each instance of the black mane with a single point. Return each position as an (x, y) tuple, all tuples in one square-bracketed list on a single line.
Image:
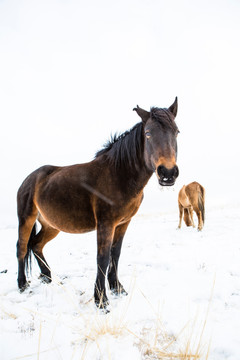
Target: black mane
[(126, 149)]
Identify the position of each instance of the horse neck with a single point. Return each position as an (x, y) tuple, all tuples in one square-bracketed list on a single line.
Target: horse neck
[(134, 180), (125, 157)]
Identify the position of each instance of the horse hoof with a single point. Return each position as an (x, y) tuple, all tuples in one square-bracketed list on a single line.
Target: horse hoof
[(104, 310), (119, 292), (23, 287), (102, 305), (45, 279)]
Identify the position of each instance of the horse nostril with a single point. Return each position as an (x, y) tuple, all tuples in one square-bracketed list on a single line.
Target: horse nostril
[(176, 171), (160, 170)]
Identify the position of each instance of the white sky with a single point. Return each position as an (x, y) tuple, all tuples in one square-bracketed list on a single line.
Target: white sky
[(71, 72)]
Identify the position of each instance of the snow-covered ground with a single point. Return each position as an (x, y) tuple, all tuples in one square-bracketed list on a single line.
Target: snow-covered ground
[(71, 72), (183, 285)]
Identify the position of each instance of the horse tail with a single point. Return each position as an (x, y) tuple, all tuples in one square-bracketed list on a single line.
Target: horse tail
[(201, 201), (28, 257), (187, 218)]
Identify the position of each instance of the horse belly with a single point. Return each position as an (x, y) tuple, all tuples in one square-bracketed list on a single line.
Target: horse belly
[(70, 222), (71, 214)]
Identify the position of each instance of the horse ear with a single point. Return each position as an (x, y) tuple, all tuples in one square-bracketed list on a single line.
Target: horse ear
[(144, 115), (174, 107)]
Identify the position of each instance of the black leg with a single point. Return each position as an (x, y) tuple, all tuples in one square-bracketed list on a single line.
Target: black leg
[(100, 296), (42, 238), (22, 282), (114, 283), (104, 244), (45, 274)]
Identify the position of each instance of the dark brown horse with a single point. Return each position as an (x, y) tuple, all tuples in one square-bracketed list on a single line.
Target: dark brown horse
[(101, 195)]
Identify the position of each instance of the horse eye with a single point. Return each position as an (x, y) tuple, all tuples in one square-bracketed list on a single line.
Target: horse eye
[(148, 135)]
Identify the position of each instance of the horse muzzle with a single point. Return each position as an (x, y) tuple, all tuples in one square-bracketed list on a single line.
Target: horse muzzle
[(167, 177)]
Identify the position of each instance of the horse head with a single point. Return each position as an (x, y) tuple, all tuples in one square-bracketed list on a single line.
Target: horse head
[(160, 142)]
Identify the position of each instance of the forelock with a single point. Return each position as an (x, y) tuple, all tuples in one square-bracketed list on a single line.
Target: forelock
[(164, 117)]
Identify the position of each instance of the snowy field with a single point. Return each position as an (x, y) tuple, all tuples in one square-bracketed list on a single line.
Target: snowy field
[(71, 73), (183, 302)]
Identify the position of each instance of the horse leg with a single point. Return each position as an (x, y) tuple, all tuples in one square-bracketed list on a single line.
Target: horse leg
[(46, 234), (180, 215), (104, 243), (24, 231), (200, 222), (114, 284), (191, 216)]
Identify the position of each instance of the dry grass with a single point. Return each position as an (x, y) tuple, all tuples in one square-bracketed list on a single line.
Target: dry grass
[(5, 314), (157, 344)]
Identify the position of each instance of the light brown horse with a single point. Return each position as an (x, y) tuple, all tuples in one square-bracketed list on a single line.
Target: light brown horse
[(192, 197), (103, 194)]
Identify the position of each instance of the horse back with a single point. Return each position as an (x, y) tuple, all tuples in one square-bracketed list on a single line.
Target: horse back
[(196, 194)]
